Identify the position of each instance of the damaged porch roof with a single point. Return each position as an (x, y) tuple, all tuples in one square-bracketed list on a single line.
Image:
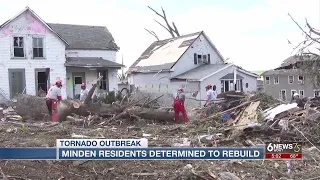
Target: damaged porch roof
[(91, 62), (201, 72)]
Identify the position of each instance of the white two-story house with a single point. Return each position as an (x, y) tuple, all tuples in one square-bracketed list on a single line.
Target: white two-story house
[(34, 54), (192, 62)]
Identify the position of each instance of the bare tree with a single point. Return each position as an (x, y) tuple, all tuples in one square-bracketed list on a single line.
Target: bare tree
[(173, 30), (309, 52)]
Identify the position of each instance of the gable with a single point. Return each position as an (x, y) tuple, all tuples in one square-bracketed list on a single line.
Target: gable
[(27, 22), (166, 53)]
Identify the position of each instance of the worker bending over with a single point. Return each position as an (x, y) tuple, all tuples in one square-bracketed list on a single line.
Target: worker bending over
[(52, 99), (84, 92), (179, 107)]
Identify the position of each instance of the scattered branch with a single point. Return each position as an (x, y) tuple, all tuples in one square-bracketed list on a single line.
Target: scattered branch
[(173, 30), (152, 33)]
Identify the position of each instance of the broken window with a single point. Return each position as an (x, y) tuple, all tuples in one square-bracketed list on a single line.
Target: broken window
[(276, 80), (316, 93), (195, 59), (18, 47), (301, 93), (300, 79), (37, 45), (293, 92), (290, 79), (267, 80)]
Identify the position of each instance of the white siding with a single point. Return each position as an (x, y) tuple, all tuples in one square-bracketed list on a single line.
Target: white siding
[(27, 26), (151, 82), (215, 80), (113, 79), (105, 54), (186, 62)]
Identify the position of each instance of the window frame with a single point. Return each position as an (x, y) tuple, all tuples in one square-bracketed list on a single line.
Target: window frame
[(289, 79), (265, 78), (285, 94), (300, 81), (274, 80), (300, 93), (43, 46), (13, 47)]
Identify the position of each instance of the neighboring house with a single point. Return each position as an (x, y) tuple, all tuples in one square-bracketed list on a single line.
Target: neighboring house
[(191, 62), (34, 54), (288, 79)]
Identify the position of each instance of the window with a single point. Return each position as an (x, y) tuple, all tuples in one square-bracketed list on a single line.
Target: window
[(267, 80), (283, 94), (208, 58), (247, 85), (37, 45), (204, 57), (316, 93), (195, 58), (199, 58), (18, 47), (300, 79), (292, 92), (276, 80), (301, 93), (290, 79)]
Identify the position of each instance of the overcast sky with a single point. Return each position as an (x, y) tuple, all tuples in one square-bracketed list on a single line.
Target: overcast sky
[(251, 33)]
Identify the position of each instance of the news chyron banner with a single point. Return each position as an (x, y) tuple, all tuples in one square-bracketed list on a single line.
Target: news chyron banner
[(137, 149)]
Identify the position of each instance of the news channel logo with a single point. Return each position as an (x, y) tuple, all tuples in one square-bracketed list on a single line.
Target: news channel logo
[(283, 147)]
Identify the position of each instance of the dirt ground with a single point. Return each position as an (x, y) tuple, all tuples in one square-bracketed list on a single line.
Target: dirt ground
[(161, 135)]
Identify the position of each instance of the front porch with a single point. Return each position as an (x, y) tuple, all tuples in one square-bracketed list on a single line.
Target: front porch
[(87, 70)]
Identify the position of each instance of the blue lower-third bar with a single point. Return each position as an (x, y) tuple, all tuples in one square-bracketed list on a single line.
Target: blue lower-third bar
[(28, 153)]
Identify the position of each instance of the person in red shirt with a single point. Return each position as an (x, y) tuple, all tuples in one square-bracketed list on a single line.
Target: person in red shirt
[(179, 107)]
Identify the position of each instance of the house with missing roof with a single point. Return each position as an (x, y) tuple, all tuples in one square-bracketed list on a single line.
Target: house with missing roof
[(34, 54), (191, 61), (284, 81)]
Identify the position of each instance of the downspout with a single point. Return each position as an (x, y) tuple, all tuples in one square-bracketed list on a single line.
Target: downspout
[(234, 78), (199, 87)]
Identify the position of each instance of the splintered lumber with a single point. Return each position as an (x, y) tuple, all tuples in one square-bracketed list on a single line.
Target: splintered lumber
[(90, 93), (249, 115)]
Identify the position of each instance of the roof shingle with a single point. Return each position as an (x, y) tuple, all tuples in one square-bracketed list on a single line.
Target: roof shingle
[(85, 37), (91, 62)]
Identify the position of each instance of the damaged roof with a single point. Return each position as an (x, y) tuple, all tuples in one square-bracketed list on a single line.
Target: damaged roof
[(200, 72), (85, 37), (91, 62), (296, 58), (282, 72), (163, 54)]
